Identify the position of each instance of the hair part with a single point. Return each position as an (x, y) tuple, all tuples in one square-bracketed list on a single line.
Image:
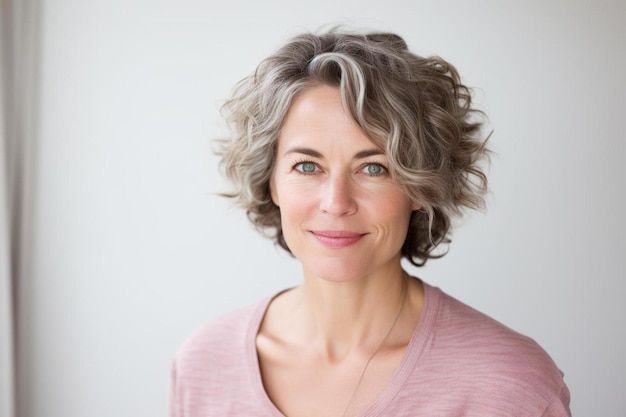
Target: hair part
[(416, 109)]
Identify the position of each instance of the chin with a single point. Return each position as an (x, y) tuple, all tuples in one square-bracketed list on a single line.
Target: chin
[(336, 270)]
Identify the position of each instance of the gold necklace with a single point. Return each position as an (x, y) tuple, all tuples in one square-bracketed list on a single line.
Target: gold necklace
[(380, 345)]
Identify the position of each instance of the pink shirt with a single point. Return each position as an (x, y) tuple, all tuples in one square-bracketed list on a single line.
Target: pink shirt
[(459, 362)]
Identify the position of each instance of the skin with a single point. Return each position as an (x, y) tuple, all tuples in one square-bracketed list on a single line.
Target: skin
[(345, 219)]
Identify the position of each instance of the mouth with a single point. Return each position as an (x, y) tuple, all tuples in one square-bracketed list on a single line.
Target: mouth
[(337, 238)]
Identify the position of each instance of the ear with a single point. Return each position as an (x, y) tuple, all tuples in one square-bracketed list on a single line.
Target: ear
[(416, 207)]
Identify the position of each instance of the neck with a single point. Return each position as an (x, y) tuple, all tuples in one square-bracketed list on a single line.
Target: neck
[(341, 317)]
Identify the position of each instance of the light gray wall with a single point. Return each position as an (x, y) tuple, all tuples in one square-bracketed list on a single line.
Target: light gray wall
[(134, 251)]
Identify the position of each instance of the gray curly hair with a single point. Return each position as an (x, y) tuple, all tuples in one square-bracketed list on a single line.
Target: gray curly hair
[(416, 109)]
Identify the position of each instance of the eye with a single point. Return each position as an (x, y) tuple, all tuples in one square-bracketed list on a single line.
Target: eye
[(306, 167), (374, 169)]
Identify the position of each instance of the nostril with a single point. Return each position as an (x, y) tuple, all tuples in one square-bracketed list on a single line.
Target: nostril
[(338, 198)]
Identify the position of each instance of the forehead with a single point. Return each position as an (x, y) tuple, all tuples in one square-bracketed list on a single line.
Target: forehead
[(318, 118)]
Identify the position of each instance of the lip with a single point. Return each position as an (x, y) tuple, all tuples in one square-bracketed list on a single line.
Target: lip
[(337, 239)]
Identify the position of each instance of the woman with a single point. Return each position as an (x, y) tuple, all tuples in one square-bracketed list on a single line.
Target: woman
[(354, 153)]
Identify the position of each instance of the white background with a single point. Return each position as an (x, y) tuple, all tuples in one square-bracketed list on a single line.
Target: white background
[(133, 249)]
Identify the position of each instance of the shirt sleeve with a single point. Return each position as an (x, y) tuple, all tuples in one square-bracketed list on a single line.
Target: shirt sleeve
[(559, 407)]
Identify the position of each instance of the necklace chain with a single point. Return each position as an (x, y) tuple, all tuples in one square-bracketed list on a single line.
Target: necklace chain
[(378, 348)]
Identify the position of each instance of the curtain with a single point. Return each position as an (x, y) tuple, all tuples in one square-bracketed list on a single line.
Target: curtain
[(19, 66), (7, 397), (7, 337)]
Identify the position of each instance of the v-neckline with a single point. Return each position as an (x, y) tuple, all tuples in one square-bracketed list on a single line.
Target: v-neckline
[(411, 355)]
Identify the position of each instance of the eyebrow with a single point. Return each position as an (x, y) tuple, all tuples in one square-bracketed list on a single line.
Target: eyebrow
[(304, 151), (315, 154), (367, 153)]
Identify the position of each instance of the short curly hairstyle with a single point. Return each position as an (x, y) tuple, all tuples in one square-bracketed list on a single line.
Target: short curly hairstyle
[(416, 109)]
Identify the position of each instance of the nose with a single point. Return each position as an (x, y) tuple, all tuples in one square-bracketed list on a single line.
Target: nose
[(337, 196)]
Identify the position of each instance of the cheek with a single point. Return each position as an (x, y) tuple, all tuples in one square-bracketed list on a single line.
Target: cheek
[(292, 195), (400, 226), (397, 215), (294, 207), (294, 217)]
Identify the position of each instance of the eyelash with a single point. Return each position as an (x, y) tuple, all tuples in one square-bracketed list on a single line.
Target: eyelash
[(301, 162), (385, 170)]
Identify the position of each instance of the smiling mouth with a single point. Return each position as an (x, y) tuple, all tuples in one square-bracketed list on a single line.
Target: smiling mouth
[(337, 238)]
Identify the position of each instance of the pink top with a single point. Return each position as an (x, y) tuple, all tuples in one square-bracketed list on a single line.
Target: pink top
[(459, 362)]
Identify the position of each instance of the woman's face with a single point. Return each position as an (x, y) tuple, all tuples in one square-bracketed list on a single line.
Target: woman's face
[(342, 214)]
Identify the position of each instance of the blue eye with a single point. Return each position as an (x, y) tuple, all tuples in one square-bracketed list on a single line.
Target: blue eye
[(374, 169), (306, 167)]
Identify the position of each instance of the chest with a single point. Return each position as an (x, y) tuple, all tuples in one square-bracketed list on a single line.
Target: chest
[(301, 383)]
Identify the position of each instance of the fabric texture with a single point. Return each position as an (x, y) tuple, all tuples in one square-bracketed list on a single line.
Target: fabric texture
[(459, 362)]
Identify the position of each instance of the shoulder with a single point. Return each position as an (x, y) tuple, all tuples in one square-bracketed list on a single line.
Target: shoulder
[(464, 329), (211, 372), (219, 342), (488, 361)]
